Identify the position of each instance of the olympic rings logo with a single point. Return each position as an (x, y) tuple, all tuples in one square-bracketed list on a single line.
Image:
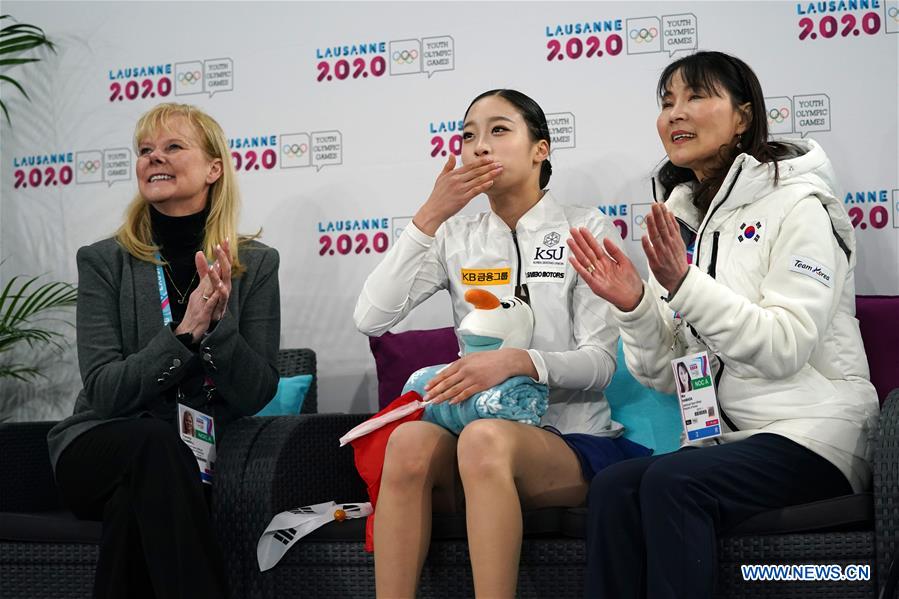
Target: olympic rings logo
[(778, 116), (405, 56), (189, 77), (640, 221), (88, 166), (894, 13), (644, 35), (294, 150)]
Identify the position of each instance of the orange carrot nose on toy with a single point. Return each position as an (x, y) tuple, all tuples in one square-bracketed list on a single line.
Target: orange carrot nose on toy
[(481, 300)]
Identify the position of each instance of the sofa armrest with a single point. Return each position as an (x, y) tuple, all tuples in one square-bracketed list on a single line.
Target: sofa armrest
[(268, 465), (886, 484), (25, 472)]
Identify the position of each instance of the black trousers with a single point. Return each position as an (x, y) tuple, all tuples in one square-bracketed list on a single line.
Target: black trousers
[(653, 522), (144, 482)]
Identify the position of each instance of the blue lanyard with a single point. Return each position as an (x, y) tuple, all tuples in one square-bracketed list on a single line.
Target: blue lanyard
[(163, 293)]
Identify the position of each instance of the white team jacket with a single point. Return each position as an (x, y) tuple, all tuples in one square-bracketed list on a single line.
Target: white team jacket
[(573, 347), (771, 294)]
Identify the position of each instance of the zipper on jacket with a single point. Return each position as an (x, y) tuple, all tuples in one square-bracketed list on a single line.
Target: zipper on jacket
[(713, 266), (712, 213), (521, 291), (713, 263), (712, 271)]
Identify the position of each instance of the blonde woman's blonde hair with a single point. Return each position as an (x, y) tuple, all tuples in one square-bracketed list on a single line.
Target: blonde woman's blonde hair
[(135, 234)]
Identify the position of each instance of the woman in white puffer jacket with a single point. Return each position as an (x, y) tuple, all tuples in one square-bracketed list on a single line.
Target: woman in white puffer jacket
[(751, 259)]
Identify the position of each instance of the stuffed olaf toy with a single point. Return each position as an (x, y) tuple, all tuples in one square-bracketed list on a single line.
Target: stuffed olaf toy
[(495, 323), (492, 324)]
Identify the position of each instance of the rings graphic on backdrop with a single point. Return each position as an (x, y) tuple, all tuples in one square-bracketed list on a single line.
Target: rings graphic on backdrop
[(893, 12), (405, 56), (88, 166), (189, 77), (294, 149), (778, 116), (644, 35)]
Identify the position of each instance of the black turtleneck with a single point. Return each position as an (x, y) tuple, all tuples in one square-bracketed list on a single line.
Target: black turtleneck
[(179, 238)]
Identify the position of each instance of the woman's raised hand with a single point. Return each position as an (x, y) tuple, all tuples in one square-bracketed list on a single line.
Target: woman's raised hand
[(453, 190), (609, 272), (665, 249), (209, 301), (222, 272)]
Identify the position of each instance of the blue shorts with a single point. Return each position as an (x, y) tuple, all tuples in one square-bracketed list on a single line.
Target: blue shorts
[(595, 453)]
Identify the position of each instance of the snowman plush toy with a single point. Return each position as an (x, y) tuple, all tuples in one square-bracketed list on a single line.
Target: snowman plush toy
[(492, 324)]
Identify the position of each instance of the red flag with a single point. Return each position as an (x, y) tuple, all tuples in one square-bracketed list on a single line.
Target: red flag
[(369, 452)]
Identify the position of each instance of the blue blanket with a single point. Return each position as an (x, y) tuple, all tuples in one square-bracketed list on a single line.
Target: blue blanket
[(518, 398)]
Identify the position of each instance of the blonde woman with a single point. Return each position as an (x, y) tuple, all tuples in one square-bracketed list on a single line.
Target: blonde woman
[(175, 312)]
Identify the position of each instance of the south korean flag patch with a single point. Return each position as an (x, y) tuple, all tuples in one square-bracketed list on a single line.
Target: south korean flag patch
[(750, 232)]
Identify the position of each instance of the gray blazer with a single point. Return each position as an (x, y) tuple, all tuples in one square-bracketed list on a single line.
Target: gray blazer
[(130, 361)]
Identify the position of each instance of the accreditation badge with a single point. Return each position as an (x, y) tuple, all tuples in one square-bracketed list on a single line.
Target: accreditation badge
[(198, 432), (698, 400)]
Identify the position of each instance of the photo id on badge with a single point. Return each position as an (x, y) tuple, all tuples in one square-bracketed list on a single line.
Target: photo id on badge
[(696, 393), (198, 432)]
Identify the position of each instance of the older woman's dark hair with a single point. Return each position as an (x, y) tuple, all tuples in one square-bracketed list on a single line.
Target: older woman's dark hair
[(534, 118), (714, 73), (681, 367)]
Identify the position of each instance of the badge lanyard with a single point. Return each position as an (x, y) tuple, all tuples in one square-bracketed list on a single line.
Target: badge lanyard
[(167, 320), (163, 293), (201, 436), (678, 319)]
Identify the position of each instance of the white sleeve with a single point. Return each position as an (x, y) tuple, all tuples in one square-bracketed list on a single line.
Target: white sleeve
[(647, 334), (592, 364), (411, 272), (775, 337)]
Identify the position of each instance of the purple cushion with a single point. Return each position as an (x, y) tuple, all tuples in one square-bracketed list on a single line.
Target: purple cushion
[(878, 317), (398, 355)]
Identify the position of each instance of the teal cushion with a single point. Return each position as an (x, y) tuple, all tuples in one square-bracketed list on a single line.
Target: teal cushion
[(289, 398), (650, 418)]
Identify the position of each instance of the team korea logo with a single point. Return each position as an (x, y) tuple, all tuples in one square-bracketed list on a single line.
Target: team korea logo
[(750, 232)]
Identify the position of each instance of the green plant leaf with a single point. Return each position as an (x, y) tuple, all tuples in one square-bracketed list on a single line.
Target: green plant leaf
[(8, 310), (23, 301), (21, 28), (15, 39), (47, 297), (22, 373), (14, 82), (13, 61), (20, 44)]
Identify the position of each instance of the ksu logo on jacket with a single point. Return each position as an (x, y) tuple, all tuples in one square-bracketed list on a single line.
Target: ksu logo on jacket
[(548, 259)]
